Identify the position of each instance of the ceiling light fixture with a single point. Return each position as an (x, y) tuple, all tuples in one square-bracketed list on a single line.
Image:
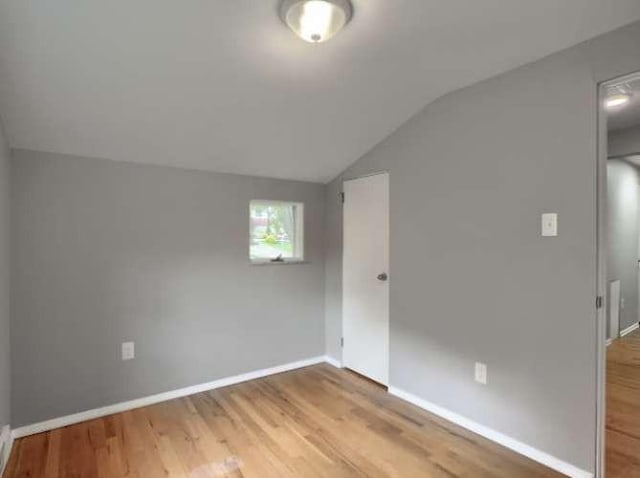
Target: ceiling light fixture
[(617, 99), (316, 21)]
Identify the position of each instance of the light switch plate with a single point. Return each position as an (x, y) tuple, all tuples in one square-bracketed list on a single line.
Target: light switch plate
[(550, 224), (481, 373), (128, 351)]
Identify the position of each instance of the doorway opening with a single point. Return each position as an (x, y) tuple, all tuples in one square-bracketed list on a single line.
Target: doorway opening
[(619, 275)]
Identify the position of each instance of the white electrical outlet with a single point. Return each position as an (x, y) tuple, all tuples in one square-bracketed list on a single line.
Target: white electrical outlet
[(128, 351), (481, 373)]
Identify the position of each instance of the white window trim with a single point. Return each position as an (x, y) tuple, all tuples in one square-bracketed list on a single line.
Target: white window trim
[(298, 239)]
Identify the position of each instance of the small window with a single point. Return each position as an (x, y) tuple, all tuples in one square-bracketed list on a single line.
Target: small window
[(276, 232)]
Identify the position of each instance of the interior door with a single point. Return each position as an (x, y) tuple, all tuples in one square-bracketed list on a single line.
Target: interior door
[(365, 277)]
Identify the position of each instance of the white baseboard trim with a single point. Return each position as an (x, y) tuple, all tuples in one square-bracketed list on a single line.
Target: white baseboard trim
[(331, 361), (609, 342), (6, 443), (629, 329), (161, 397), (495, 436), (7, 437)]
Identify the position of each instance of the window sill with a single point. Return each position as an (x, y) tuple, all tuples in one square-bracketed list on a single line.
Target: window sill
[(278, 263)]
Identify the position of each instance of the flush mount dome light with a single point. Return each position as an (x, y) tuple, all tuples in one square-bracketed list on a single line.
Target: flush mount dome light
[(316, 21), (617, 99)]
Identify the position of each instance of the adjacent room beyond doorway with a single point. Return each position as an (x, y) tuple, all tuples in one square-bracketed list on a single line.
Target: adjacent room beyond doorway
[(622, 103)]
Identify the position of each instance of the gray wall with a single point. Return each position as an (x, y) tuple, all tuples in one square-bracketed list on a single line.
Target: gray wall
[(106, 252), (623, 232), (624, 141), (471, 279), (5, 353), (333, 269)]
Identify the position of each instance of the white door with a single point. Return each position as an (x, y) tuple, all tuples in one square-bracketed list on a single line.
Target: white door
[(365, 277)]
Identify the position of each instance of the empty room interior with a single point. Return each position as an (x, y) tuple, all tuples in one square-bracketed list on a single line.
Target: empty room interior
[(319, 238), (623, 245)]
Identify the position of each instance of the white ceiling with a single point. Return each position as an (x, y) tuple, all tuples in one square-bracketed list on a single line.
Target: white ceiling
[(222, 85), (628, 115)]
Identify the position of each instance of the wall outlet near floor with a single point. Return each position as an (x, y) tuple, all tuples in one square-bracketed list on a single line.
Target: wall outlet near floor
[(481, 373), (128, 351)]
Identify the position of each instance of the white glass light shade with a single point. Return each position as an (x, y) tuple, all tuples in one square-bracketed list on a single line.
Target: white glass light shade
[(616, 100), (316, 21)]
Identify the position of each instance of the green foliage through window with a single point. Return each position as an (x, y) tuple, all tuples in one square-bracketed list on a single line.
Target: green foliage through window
[(275, 231)]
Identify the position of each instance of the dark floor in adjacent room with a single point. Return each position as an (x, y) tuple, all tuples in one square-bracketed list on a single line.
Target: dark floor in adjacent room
[(623, 407)]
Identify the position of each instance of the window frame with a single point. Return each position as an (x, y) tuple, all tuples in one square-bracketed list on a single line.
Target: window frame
[(298, 240)]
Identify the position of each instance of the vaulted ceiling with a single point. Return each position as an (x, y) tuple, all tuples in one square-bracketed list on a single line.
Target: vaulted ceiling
[(223, 85)]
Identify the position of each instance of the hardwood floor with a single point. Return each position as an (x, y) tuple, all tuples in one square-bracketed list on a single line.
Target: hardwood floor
[(315, 422), (623, 407)]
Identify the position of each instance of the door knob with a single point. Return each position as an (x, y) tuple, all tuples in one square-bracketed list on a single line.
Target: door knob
[(383, 277)]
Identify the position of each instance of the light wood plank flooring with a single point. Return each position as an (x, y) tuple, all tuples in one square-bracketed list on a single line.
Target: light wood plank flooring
[(315, 422), (623, 407)]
